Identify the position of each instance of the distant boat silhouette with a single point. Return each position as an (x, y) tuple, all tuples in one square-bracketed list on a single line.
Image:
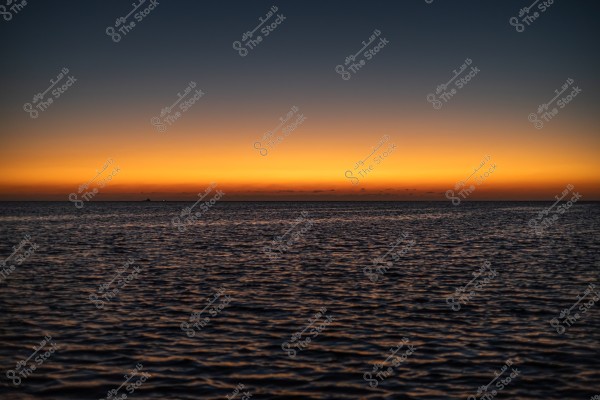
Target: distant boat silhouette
[(147, 200)]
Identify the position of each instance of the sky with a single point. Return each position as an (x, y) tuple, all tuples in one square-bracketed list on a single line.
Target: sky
[(380, 115)]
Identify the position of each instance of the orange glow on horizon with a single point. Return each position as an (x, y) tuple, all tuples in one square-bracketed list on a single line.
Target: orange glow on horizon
[(431, 155)]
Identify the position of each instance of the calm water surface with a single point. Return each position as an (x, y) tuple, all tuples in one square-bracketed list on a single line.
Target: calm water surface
[(266, 298)]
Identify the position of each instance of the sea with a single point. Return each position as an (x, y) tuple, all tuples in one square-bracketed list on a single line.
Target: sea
[(299, 300)]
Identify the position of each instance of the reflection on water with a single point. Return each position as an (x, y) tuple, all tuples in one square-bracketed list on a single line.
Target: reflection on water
[(243, 306)]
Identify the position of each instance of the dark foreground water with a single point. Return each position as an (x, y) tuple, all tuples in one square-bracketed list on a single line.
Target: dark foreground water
[(304, 322)]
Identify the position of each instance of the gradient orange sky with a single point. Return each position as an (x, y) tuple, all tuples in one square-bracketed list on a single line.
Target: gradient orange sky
[(107, 112), (433, 153)]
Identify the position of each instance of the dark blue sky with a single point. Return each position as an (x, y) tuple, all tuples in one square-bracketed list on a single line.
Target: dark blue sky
[(192, 38)]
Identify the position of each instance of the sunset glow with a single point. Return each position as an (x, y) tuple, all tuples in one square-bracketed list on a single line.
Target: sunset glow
[(107, 115)]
